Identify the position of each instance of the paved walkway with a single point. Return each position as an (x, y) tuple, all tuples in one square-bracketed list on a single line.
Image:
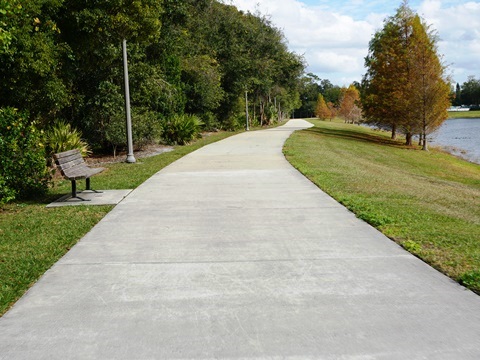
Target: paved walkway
[(231, 253)]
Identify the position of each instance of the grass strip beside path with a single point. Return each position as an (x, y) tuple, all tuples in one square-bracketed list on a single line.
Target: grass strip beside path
[(33, 238), (429, 202)]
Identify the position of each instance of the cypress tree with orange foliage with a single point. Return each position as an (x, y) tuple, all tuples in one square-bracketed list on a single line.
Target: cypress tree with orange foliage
[(321, 110)]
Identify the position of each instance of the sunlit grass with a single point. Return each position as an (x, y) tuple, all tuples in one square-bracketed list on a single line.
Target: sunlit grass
[(427, 201)]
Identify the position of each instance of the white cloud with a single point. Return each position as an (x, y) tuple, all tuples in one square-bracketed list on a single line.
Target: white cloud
[(334, 36), (458, 27)]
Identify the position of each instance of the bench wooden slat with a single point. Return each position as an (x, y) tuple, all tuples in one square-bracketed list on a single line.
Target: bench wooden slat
[(68, 153), (67, 159), (70, 164), (81, 172)]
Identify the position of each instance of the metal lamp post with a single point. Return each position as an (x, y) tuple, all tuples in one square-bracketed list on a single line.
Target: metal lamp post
[(130, 156), (246, 108)]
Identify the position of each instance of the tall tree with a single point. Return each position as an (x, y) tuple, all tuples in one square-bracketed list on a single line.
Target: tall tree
[(384, 99), (430, 89), (404, 87), (458, 95)]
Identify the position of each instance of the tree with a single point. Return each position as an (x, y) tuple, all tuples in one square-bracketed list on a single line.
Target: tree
[(321, 110), (349, 105), (32, 55), (94, 32), (384, 99), (430, 89), (458, 95), (309, 90), (471, 91), (333, 109), (405, 82), (202, 83), (62, 60)]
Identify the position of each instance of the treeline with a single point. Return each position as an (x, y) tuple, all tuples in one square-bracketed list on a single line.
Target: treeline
[(62, 60), (311, 86), (192, 66), (468, 94), (324, 100)]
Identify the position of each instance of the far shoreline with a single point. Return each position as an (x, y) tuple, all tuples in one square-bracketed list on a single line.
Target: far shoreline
[(463, 115)]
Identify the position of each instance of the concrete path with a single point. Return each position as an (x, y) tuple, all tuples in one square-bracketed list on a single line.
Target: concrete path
[(230, 253)]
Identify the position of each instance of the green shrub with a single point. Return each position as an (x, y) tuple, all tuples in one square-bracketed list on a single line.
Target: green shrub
[(62, 137), (23, 170), (235, 122), (181, 129), (6, 194), (210, 121), (116, 133), (146, 129), (271, 113)]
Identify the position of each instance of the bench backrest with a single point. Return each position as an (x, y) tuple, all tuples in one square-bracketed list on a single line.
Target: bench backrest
[(68, 159)]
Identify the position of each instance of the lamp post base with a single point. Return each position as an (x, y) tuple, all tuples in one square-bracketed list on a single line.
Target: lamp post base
[(131, 159)]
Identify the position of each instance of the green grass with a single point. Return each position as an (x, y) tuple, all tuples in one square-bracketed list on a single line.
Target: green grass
[(427, 201), (33, 238), (464, 114)]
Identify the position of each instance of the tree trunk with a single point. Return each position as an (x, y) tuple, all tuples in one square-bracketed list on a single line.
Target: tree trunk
[(425, 145), (394, 132), (408, 138), (262, 112)]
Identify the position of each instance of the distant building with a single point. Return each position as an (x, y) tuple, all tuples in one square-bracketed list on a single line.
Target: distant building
[(458, 108)]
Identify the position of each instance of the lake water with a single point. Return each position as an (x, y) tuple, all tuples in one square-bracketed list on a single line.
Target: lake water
[(460, 137)]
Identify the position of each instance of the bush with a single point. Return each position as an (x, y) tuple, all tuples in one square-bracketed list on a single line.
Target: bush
[(146, 129), (23, 169), (235, 122), (181, 129), (62, 137), (210, 121)]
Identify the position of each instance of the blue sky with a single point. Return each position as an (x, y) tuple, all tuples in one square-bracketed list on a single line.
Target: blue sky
[(333, 36)]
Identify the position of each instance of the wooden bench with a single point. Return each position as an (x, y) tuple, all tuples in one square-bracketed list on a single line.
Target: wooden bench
[(73, 168)]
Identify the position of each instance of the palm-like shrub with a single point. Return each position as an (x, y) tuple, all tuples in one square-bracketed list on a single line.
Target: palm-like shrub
[(63, 137), (181, 129)]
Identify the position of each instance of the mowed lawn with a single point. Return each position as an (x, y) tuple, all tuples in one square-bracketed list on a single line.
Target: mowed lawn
[(427, 201)]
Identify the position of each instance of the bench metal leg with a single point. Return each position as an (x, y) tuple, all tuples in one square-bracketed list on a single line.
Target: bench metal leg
[(74, 192), (87, 181)]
